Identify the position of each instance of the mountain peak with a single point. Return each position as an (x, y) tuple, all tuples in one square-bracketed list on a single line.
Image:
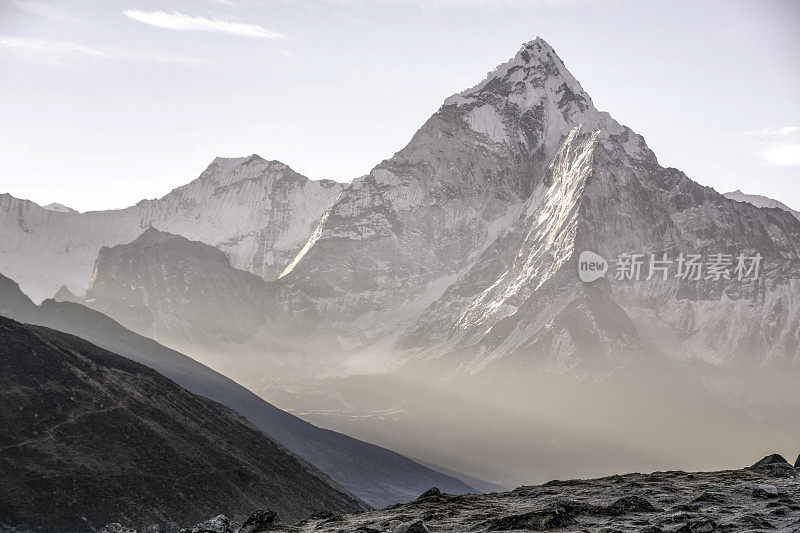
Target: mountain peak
[(153, 235), (226, 171), (236, 161), (66, 295), (533, 74), (538, 47), (59, 207)]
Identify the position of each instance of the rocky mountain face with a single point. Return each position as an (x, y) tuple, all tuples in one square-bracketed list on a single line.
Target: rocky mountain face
[(91, 437), (186, 295), (761, 201), (396, 240), (467, 240), (179, 292), (260, 213), (376, 475)]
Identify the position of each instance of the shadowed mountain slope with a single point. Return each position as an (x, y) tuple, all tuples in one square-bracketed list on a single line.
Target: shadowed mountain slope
[(91, 437)]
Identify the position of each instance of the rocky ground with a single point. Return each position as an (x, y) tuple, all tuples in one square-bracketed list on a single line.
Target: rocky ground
[(765, 497)]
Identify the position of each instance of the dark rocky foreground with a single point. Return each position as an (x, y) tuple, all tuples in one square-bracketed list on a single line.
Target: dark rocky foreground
[(765, 497), (89, 437)]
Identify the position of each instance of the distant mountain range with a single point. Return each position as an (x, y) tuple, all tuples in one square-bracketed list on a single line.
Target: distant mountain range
[(260, 213), (761, 201), (91, 437)]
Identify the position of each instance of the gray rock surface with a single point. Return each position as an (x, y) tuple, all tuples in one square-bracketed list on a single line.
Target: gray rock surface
[(218, 524), (657, 502), (259, 522)]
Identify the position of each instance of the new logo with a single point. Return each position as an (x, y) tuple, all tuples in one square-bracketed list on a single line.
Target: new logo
[(591, 266)]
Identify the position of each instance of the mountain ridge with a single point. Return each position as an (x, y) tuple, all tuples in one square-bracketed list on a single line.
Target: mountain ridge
[(760, 201), (258, 212)]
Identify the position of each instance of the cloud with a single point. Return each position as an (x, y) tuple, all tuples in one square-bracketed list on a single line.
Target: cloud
[(777, 146), (180, 22), (41, 9), (781, 155), (777, 131), (57, 52)]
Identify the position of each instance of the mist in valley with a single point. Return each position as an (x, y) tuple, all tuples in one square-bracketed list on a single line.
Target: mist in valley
[(514, 425)]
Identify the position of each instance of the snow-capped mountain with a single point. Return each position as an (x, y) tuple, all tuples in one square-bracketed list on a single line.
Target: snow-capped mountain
[(397, 239), (466, 241), (761, 201), (260, 213)]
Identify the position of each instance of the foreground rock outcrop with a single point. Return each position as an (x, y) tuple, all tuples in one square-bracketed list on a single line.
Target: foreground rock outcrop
[(751, 499)]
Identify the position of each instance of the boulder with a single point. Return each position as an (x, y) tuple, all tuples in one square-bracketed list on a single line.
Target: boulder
[(630, 504), (262, 520), (218, 524), (558, 515), (797, 462), (765, 491), (117, 528), (414, 526), (705, 525)]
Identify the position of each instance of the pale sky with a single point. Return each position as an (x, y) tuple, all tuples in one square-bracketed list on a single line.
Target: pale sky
[(105, 103)]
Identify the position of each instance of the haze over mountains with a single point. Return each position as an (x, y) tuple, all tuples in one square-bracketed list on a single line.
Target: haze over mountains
[(445, 282), (376, 475)]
